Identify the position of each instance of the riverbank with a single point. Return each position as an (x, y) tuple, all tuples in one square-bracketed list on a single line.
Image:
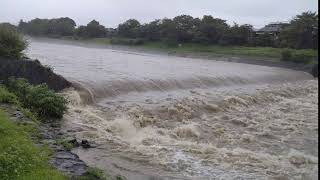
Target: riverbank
[(264, 56), (32, 144), (31, 148)]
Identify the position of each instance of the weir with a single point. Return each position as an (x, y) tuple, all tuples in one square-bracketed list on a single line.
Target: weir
[(164, 117)]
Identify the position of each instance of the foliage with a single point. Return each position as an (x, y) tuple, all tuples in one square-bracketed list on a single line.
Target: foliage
[(121, 41), (12, 43), (9, 26), (94, 174), (92, 30), (19, 157), (302, 33), (216, 50), (39, 99), (129, 29), (295, 57), (265, 39), (6, 96), (51, 27)]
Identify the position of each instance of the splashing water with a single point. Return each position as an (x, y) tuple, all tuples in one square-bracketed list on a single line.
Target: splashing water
[(155, 117)]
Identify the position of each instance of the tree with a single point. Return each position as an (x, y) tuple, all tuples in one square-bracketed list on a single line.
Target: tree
[(302, 32), (81, 31), (151, 31), (264, 39), (184, 27), (129, 29), (62, 26), (238, 35), (211, 30), (95, 30)]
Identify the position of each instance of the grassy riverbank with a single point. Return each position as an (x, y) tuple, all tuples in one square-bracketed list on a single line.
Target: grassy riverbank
[(20, 158), (200, 49)]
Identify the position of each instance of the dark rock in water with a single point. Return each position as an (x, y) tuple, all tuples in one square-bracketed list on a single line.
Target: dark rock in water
[(19, 115), (85, 144), (70, 163), (33, 71), (315, 70), (74, 142)]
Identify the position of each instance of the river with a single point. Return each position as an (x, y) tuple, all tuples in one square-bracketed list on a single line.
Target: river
[(154, 116)]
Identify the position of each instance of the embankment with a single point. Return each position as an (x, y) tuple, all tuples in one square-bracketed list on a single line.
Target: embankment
[(33, 71)]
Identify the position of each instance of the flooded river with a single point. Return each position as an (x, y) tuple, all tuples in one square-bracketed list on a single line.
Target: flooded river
[(163, 117)]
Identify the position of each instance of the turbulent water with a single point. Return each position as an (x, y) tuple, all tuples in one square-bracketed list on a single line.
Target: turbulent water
[(161, 117)]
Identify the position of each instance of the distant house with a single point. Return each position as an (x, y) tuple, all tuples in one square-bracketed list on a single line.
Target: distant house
[(272, 28)]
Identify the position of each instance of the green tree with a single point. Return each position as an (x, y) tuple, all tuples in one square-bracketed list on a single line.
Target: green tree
[(95, 30), (129, 29), (265, 39), (211, 30), (302, 32), (12, 43), (184, 28), (238, 35), (151, 31)]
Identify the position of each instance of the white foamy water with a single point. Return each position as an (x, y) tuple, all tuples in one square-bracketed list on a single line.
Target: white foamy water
[(161, 117)]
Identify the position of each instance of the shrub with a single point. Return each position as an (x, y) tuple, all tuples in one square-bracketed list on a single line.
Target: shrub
[(11, 43), (6, 96), (288, 55), (39, 99), (130, 42)]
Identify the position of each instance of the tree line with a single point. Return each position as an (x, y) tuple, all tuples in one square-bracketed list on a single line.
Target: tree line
[(300, 33)]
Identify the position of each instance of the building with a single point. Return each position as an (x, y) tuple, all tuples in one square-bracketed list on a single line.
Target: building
[(272, 28)]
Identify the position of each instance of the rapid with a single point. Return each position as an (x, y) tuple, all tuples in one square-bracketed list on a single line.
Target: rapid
[(155, 116)]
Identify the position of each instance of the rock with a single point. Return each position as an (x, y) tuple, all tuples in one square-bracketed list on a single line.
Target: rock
[(239, 122), (33, 71), (74, 142), (19, 115), (70, 163), (314, 70), (85, 144)]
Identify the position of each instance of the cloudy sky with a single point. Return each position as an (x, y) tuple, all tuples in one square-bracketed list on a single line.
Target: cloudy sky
[(111, 12)]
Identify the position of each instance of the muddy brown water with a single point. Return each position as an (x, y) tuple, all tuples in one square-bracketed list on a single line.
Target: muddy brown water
[(162, 117)]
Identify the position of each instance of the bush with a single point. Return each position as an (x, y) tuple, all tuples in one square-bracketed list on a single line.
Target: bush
[(288, 55), (130, 42), (11, 43), (39, 99), (6, 96)]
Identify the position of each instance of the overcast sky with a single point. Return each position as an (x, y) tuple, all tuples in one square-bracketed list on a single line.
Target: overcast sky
[(111, 12)]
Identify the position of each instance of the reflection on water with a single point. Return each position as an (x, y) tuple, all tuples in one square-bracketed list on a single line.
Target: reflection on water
[(160, 117)]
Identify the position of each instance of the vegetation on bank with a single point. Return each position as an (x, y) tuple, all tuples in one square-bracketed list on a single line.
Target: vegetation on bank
[(300, 33), (20, 158), (306, 55), (185, 34), (11, 43), (39, 98)]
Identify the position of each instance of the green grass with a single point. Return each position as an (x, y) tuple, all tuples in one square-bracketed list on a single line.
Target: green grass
[(228, 50), (20, 159), (213, 50)]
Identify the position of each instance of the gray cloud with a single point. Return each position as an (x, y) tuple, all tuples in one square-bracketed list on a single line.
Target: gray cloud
[(111, 12)]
